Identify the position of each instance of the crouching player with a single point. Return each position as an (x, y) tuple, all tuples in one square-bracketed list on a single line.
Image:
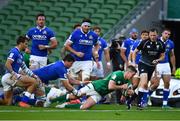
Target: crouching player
[(97, 89), (58, 70), (13, 78)]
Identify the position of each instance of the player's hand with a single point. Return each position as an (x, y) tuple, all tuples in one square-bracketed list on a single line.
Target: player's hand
[(130, 92), (108, 66), (76, 93), (37, 79), (122, 99), (43, 47), (124, 86), (80, 54), (98, 64), (155, 62)]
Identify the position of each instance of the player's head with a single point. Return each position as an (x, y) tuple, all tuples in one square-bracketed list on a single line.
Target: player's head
[(130, 72), (134, 33), (166, 34), (22, 42), (86, 25), (77, 26), (153, 34), (68, 60), (144, 34), (97, 30), (40, 20)]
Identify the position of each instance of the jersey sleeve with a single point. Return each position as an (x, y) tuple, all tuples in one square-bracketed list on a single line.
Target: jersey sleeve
[(51, 35), (105, 45), (12, 55), (124, 44), (141, 45), (29, 34)]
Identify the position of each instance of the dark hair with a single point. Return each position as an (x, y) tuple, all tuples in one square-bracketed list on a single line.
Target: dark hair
[(166, 29), (21, 39), (131, 68), (153, 30), (69, 58), (76, 25), (87, 20), (96, 27), (144, 31), (40, 14)]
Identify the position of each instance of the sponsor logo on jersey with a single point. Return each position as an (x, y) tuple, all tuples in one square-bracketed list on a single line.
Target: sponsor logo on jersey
[(85, 42), (39, 37)]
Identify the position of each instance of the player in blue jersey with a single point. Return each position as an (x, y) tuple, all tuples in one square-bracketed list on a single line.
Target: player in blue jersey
[(13, 78), (126, 46), (80, 44), (63, 50), (41, 36), (98, 71), (58, 70), (163, 69)]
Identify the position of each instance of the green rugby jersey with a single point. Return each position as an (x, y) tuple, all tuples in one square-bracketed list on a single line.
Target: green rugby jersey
[(101, 86)]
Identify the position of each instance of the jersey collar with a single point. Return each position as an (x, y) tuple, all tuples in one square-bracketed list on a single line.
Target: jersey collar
[(84, 33), (40, 28)]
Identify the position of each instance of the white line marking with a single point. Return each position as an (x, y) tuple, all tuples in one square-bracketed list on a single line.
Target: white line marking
[(86, 110)]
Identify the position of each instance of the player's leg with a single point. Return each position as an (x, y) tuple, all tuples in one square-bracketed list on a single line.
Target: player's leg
[(7, 84), (88, 104), (30, 84)]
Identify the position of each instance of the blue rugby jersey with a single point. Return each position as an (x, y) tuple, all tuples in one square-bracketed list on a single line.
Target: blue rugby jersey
[(52, 71), (138, 56), (40, 37), (127, 44), (82, 42), (17, 57), (103, 45), (169, 45)]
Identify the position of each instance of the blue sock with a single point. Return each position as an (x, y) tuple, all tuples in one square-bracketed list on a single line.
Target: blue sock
[(150, 92), (25, 99), (32, 101), (145, 97), (140, 95), (165, 96)]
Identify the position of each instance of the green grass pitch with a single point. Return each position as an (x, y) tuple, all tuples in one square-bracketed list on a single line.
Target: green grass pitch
[(98, 112)]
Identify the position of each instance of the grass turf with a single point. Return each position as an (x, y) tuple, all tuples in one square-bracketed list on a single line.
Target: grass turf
[(98, 112)]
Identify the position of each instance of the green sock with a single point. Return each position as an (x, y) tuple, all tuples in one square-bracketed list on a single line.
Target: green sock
[(59, 99), (74, 106)]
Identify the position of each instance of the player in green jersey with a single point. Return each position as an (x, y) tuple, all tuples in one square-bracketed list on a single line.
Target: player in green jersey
[(118, 80)]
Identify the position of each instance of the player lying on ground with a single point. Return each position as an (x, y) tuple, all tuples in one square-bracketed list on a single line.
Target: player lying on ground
[(97, 89)]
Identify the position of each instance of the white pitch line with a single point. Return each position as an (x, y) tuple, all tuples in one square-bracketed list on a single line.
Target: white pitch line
[(1, 111)]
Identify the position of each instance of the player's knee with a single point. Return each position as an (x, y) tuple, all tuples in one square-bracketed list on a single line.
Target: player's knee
[(83, 107)]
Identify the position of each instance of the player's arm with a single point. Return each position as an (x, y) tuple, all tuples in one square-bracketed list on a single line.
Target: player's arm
[(70, 88), (70, 49), (122, 53), (134, 53), (173, 61), (8, 65), (107, 58), (52, 45), (112, 86), (76, 82)]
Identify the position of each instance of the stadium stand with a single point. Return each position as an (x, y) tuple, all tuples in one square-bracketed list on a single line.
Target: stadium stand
[(19, 15)]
